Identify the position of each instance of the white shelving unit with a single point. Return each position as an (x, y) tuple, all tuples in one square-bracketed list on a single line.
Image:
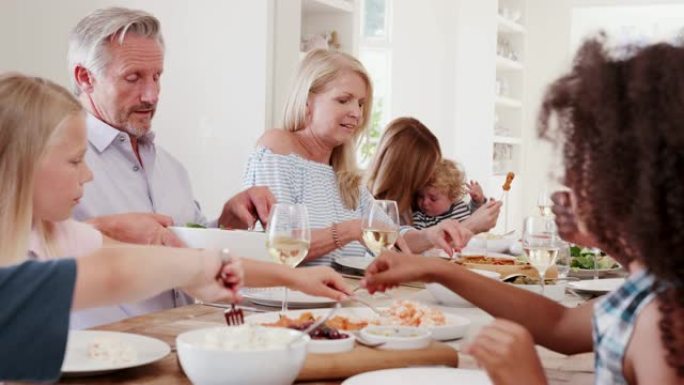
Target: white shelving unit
[(321, 17), (507, 143)]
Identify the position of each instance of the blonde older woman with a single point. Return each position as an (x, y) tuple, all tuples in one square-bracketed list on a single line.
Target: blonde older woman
[(312, 161)]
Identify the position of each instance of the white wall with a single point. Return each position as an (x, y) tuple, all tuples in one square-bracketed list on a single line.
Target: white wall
[(213, 104)]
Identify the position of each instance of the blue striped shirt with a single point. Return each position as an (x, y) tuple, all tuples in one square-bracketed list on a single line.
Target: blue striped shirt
[(293, 179), (614, 319)]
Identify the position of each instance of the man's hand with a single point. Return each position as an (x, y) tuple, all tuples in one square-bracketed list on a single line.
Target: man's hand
[(138, 228), (244, 209), (506, 350)]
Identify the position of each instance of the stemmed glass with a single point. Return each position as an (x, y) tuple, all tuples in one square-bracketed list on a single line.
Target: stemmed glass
[(381, 226), (288, 236), (544, 202), (541, 243)]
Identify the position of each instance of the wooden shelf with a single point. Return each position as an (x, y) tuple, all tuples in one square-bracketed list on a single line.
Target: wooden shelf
[(507, 139), (327, 6), (503, 101), (509, 26), (503, 63)]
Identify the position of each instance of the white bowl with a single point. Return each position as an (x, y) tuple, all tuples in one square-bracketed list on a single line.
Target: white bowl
[(447, 297), (397, 337), (247, 244), (207, 364), (324, 346), (555, 292), (493, 243)]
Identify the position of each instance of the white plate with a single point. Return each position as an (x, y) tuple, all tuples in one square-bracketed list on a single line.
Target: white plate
[(456, 326), (597, 286), (273, 296), (412, 376), (357, 263), (77, 362)]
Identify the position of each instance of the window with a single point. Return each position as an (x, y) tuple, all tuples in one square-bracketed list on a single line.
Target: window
[(375, 54)]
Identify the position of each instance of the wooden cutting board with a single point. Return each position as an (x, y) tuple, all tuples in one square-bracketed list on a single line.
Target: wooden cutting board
[(364, 359)]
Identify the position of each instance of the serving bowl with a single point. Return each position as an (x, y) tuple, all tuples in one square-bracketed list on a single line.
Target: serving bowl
[(397, 337), (491, 242), (239, 355), (247, 244), (447, 297), (325, 346)]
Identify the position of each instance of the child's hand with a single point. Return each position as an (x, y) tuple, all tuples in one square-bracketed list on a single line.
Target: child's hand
[(475, 191), (506, 350)]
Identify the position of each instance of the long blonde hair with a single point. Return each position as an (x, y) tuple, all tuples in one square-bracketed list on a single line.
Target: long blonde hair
[(30, 110), (319, 68), (406, 157)]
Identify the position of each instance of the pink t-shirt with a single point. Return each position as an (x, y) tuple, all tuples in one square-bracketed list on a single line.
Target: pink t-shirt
[(72, 238)]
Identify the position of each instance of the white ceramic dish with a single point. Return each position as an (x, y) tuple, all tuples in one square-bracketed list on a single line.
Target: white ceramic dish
[(491, 243), (397, 337), (77, 361), (246, 244), (413, 376), (555, 292), (597, 286), (456, 326), (447, 297), (273, 297), (341, 345), (277, 365)]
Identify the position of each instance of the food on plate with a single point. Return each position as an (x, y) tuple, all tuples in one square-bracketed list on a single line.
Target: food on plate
[(111, 350), (525, 280), (411, 313), (584, 259), (509, 179), (503, 266), (329, 331)]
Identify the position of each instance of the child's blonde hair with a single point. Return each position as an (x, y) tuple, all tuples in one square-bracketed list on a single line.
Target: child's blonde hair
[(449, 178), (30, 110)]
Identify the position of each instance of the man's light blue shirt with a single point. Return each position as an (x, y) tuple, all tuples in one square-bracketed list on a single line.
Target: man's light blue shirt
[(122, 185)]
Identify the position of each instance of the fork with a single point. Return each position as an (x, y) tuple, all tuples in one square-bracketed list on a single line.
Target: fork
[(234, 316)]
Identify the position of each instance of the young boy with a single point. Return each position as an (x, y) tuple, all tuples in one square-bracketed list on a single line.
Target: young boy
[(442, 196)]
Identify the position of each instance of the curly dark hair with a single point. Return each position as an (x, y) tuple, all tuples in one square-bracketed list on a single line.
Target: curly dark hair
[(620, 118)]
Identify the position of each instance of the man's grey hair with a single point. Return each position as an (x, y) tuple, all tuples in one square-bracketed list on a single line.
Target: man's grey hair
[(88, 42)]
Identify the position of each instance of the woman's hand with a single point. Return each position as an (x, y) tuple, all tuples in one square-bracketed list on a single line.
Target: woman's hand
[(320, 281), (218, 280), (390, 269), (484, 218), (506, 350), (448, 235), (475, 191)]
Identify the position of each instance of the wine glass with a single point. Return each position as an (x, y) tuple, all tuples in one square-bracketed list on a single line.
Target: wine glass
[(544, 202), (541, 243), (381, 226), (288, 236)]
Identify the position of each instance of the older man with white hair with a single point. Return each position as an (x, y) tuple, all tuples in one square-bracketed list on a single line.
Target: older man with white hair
[(116, 56)]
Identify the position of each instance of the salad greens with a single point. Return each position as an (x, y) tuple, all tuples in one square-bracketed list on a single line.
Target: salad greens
[(582, 258), (195, 225)]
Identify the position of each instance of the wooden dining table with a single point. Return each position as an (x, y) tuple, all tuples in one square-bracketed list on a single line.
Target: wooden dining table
[(166, 325)]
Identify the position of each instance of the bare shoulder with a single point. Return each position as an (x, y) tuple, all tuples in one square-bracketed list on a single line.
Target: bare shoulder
[(645, 358), (278, 141)]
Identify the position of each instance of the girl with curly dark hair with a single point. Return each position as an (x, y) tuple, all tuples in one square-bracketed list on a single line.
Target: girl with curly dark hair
[(620, 120)]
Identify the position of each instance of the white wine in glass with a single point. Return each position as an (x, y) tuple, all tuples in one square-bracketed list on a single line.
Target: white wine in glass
[(288, 236), (541, 244), (381, 226)]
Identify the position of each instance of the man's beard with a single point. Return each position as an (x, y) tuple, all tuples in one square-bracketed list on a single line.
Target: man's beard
[(129, 124)]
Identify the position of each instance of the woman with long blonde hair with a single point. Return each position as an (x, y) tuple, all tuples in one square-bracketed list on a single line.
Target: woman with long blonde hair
[(312, 161)]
